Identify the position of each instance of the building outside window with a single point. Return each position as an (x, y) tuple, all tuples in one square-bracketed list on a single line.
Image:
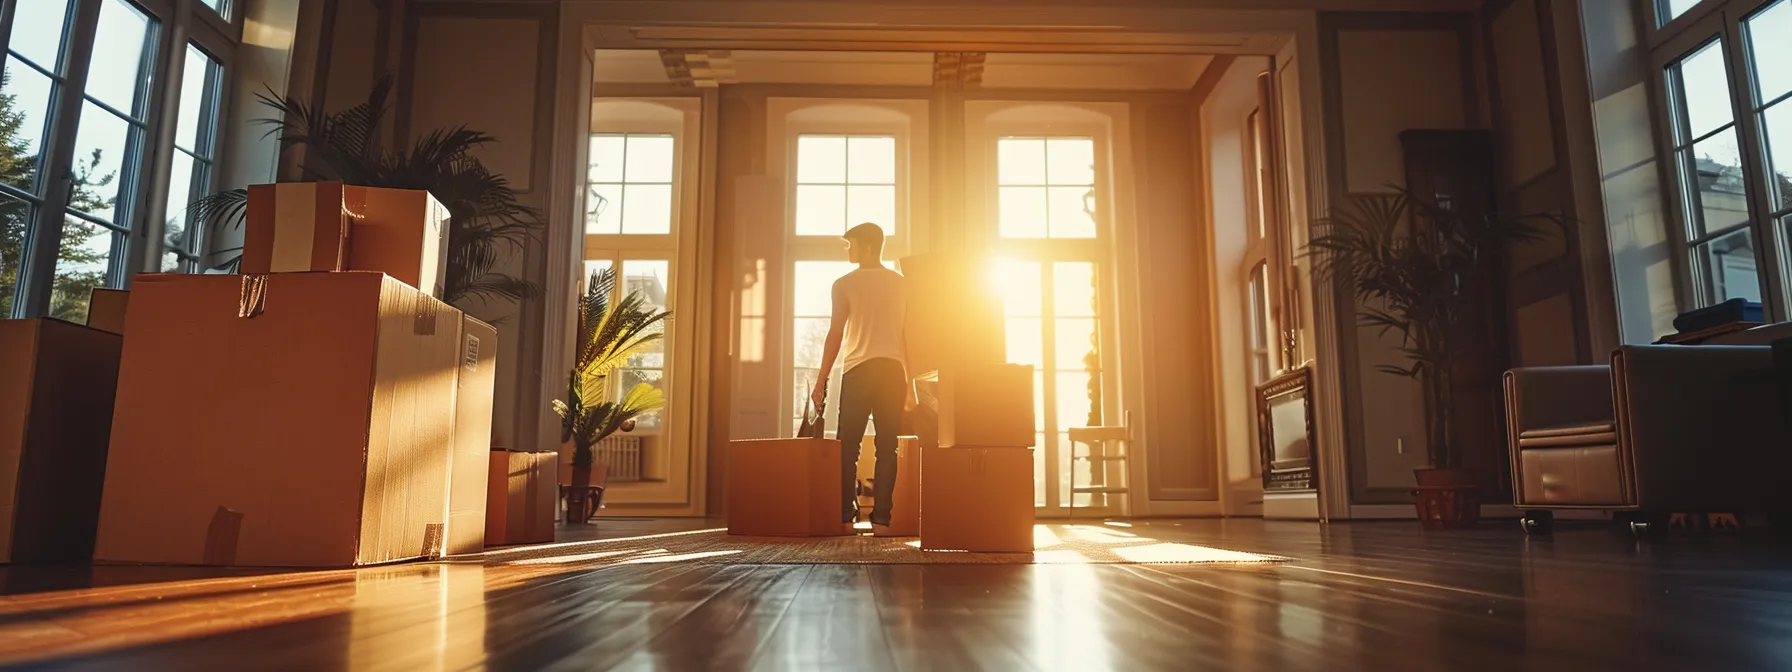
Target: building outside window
[(82, 96)]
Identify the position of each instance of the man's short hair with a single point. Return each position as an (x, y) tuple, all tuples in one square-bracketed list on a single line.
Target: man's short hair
[(868, 234)]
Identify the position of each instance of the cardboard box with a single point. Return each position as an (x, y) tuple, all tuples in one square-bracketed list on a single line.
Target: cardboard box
[(785, 488), (292, 419), (106, 309), (469, 468), (961, 321), (984, 405), (523, 491), (977, 499), (905, 502), (326, 226), (56, 396)]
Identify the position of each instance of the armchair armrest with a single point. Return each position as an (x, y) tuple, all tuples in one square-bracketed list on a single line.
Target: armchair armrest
[(1702, 425), (1557, 396)]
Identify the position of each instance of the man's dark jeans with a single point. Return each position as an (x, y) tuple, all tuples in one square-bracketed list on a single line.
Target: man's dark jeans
[(871, 390)]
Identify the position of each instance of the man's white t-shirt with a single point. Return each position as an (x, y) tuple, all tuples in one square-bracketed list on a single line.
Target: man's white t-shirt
[(875, 306)]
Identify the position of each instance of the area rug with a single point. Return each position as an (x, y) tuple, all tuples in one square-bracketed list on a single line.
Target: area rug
[(1054, 544)]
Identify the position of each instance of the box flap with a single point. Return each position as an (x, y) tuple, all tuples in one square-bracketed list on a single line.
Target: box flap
[(410, 438)]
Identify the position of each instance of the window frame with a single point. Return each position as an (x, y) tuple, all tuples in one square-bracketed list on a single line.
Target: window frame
[(144, 170), (1720, 23)]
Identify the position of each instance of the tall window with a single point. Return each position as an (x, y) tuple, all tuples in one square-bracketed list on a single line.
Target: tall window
[(1730, 133), (630, 217), (841, 181), (191, 167), (1046, 187), (77, 99)]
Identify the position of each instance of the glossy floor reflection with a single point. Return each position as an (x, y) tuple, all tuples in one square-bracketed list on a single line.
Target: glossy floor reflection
[(1369, 596)]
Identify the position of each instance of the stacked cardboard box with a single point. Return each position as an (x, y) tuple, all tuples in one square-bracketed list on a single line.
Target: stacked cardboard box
[(522, 491), (785, 488), (977, 462), (346, 410), (56, 387)]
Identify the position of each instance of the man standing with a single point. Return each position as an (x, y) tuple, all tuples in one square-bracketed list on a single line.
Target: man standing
[(869, 308)]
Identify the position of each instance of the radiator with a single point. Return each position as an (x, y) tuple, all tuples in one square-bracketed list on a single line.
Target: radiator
[(621, 456)]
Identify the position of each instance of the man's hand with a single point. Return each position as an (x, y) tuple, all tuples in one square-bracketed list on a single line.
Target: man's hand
[(909, 401), (819, 395)]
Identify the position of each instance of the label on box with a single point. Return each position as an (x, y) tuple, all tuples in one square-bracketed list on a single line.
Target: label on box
[(472, 356)]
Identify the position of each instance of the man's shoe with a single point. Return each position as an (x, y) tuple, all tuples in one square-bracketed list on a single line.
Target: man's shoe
[(880, 530)]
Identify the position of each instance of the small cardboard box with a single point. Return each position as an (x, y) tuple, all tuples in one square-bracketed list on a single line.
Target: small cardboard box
[(985, 405), (106, 309), (56, 395), (470, 466), (328, 445), (963, 322), (785, 488), (977, 499), (522, 492), (327, 226)]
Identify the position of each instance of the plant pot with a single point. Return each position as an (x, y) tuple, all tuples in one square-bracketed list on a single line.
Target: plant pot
[(1436, 478), (1448, 507), (578, 509)]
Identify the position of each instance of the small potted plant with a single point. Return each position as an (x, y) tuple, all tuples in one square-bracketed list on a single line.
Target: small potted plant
[(594, 408), (1418, 268)]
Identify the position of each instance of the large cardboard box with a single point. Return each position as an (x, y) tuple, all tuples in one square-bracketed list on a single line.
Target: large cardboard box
[(56, 391), (984, 404), (522, 493), (977, 499), (327, 226), (292, 419), (106, 309), (470, 467), (785, 488), (955, 314)]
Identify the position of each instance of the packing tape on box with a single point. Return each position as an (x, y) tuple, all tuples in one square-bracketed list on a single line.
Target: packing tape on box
[(254, 297), (221, 537), (433, 539)]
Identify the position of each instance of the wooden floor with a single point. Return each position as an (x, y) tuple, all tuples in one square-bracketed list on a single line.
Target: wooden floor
[(1371, 596)]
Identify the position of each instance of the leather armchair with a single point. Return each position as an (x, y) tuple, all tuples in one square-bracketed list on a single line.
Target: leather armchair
[(1664, 428)]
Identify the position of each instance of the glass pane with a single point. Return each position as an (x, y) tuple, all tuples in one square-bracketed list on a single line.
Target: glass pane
[(1073, 289), (627, 379), (1071, 209), (592, 266), (1062, 443), (603, 208), (1039, 404), (649, 278), (649, 209), (650, 159), (1075, 342), (1729, 267), (170, 263), (38, 28), (1022, 212), (1070, 161), (1666, 10), (1705, 91), (1259, 338), (193, 93), (1018, 281), (14, 214), (27, 94), (217, 6), (1020, 161), (81, 265), (814, 283), (1026, 341), (1039, 470), (1717, 183), (605, 157), (820, 210), (820, 159), (114, 77), (811, 336), (1770, 51), (871, 160), (100, 146), (871, 204), (176, 235), (1776, 131)]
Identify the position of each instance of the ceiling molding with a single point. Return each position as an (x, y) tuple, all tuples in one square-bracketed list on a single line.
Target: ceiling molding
[(699, 68), (957, 70)]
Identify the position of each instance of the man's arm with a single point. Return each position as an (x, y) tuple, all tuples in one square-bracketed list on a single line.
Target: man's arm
[(830, 351)]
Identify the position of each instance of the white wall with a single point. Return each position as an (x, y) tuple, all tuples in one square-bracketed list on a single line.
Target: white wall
[(1224, 135)]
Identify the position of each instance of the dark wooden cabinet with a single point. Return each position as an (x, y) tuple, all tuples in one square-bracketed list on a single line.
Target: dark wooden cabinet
[(1455, 169)]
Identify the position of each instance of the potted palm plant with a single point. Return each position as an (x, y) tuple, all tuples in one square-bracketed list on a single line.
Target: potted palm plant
[(610, 332), (1419, 269), (486, 221)]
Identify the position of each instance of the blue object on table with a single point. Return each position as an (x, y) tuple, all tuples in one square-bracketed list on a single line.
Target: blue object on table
[(1734, 310)]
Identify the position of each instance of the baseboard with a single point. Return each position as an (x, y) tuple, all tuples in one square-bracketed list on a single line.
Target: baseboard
[(1383, 512), (1291, 506)]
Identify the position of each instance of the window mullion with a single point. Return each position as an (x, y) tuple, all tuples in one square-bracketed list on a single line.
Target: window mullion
[(1742, 97)]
